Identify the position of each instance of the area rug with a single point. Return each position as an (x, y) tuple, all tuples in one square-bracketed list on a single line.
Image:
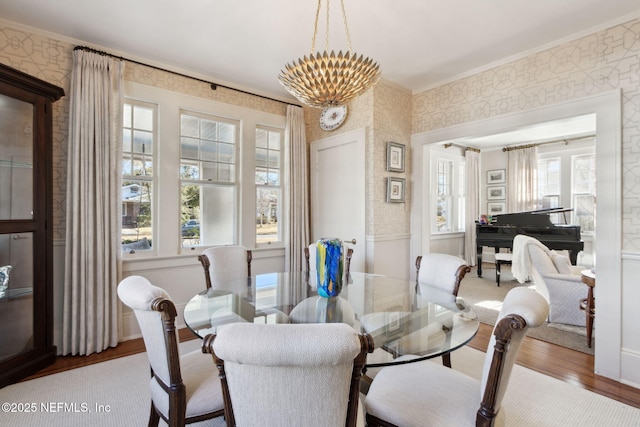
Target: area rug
[(486, 299), (116, 393)]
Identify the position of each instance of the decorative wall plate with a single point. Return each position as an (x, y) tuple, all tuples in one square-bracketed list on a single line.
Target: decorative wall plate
[(332, 117)]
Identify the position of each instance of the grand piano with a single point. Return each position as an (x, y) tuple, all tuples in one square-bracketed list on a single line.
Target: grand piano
[(500, 234)]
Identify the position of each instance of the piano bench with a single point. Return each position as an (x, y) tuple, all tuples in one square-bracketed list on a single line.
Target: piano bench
[(502, 258)]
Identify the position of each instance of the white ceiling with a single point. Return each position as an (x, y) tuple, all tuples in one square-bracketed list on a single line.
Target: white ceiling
[(562, 129), (245, 43)]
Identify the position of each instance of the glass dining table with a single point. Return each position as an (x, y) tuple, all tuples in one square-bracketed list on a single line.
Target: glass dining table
[(402, 320)]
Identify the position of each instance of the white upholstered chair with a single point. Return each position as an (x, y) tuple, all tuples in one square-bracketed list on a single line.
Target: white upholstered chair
[(437, 272), (423, 394), (223, 264), (184, 389), (554, 277), (290, 375), (440, 271)]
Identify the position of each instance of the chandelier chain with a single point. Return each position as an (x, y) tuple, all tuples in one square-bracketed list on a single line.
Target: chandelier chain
[(326, 36), (346, 27), (315, 28)]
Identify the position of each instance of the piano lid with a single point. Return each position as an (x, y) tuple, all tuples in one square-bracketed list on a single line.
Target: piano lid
[(537, 218)]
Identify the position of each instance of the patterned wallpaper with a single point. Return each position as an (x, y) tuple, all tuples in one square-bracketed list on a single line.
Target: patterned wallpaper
[(392, 122), (600, 62), (51, 60)]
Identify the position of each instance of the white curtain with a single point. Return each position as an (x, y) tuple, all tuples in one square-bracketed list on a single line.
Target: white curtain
[(298, 193), (472, 205), (92, 264), (522, 172)]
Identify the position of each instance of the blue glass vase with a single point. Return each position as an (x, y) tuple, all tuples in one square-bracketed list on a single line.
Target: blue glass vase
[(329, 267)]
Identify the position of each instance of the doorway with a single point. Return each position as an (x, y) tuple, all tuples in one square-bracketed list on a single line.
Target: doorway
[(607, 109)]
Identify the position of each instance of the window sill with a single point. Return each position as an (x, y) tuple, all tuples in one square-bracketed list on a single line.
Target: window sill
[(446, 235)]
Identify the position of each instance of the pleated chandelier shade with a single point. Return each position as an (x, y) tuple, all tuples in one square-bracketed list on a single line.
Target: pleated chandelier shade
[(327, 79)]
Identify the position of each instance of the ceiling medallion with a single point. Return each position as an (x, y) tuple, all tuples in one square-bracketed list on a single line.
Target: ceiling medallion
[(329, 79)]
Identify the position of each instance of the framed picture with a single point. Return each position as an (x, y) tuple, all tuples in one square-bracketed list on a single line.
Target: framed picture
[(395, 190), (496, 176), (496, 193), (395, 157), (496, 208)]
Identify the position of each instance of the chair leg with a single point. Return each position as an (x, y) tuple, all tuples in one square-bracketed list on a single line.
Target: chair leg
[(154, 417), (446, 360), (498, 272)]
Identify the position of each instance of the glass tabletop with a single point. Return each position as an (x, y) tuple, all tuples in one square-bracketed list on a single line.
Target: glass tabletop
[(400, 321)]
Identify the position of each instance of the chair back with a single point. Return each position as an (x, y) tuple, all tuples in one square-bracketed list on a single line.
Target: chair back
[(441, 271), (522, 308), (155, 313), (310, 258), (284, 374), (224, 264)]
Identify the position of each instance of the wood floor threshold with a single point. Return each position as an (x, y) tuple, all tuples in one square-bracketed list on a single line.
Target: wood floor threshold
[(549, 359)]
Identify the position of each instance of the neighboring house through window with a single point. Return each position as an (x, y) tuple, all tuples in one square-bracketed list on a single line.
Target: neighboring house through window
[(188, 166), (268, 185), (139, 130)]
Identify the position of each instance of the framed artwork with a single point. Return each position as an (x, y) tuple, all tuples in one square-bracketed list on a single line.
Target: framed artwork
[(395, 157), (496, 208), (496, 193), (395, 190), (496, 176)]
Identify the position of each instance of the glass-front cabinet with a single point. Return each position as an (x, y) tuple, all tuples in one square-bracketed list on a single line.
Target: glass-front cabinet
[(26, 287)]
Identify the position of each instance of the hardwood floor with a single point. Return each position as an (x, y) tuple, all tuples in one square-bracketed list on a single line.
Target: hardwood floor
[(564, 364), (550, 359)]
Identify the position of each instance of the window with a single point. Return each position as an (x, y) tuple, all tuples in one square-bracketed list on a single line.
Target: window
[(443, 200), (268, 180), (450, 194), (139, 130), (189, 174), (208, 165), (549, 184), (583, 191)]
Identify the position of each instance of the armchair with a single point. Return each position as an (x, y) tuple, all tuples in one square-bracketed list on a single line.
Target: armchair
[(554, 277)]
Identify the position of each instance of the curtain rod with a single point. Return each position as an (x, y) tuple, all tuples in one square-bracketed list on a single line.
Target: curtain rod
[(451, 144), (213, 86), (565, 140)]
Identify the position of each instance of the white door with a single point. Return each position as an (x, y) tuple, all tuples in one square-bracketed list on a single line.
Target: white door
[(338, 192)]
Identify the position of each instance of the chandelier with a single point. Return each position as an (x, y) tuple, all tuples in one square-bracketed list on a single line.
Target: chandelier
[(326, 79)]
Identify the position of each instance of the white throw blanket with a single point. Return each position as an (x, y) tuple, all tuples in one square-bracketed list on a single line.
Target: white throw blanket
[(521, 264)]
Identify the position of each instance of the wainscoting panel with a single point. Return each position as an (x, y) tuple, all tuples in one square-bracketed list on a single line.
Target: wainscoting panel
[(630, 351)]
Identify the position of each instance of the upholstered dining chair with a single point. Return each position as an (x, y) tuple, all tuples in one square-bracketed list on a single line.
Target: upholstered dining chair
[(286, 375), (440, 272), (223, 264), (423, 394), (184, 389), (310, 258)]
